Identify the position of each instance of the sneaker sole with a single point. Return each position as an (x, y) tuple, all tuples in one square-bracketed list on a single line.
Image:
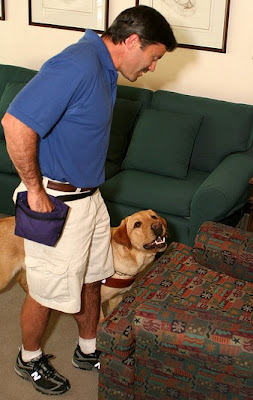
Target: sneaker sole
[(27, 377), (87, 367)]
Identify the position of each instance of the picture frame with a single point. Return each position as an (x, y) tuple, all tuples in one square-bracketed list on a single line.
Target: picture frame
[(76, 15), (2, 10), (197, 24)]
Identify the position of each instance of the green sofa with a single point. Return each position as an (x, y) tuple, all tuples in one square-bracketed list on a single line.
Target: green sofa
[(187, 157)]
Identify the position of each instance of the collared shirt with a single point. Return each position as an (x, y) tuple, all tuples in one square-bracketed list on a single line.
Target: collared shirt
[(69, 104)]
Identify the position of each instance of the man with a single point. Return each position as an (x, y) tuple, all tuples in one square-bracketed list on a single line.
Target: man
[(57, 133)]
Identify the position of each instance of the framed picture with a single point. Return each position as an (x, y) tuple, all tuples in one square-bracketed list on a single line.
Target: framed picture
[(69, 14), (197, 24), (2, 11)]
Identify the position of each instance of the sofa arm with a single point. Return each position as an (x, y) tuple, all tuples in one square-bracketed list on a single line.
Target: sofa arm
[(223, 192), (225, 249)]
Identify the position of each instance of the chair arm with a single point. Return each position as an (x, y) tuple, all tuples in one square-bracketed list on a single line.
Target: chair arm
[(225, 190), (250, 201), (115, 333), (225, 249)]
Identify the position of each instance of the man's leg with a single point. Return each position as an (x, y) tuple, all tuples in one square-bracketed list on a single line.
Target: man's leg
[(86, 355), (87, 318), (34, 319), (31, 363)]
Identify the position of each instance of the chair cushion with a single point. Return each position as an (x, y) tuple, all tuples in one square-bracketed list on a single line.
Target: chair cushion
[(225, 249), (162, 143), (124, 115), (10, 91)]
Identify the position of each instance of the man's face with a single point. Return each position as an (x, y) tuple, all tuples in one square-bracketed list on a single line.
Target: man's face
[(139, 61)]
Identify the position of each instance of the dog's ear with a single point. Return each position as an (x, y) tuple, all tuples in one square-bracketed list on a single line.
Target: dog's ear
[(120, 235)]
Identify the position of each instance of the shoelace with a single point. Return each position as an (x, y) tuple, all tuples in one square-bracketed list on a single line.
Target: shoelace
[(43, 366)]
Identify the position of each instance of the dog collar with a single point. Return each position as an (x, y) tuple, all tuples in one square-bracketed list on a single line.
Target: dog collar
[(118, 283)]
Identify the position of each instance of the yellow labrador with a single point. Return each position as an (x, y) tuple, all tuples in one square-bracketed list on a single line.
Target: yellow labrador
[(135, 242), (12, 254)]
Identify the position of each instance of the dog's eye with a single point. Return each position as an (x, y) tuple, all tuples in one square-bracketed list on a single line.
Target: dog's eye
[(137, 224), (154, 217)]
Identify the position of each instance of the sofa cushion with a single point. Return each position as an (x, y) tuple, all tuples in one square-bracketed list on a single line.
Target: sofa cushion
[(111, 169), (136, 188), (10, 91), (124, 115), (225, 249), (162, 143), (227, 127)]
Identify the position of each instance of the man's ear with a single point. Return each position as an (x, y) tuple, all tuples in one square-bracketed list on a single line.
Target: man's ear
[(132, 41)]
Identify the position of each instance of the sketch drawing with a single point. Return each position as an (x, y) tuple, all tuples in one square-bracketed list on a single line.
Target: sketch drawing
[(198, 24), (68, 5), (186, 8)]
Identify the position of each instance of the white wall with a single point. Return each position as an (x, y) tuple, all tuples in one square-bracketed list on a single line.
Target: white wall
[(205, 73)]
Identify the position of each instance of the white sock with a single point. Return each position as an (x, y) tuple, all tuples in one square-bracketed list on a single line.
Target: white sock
[(29, 355), (87, 346)]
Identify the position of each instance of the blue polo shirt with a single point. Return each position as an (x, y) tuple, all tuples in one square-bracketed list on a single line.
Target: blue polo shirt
[(69, 104)]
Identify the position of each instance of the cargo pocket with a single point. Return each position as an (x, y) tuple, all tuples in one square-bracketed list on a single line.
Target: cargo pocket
[(48, 278)]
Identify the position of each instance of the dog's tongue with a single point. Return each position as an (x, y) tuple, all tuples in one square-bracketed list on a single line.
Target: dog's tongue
[(158, 242)]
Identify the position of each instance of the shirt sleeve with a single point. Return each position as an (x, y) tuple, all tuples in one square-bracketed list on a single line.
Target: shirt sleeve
[(43, 101)]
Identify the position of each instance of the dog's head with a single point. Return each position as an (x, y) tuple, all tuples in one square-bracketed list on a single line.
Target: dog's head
[(144, 230)]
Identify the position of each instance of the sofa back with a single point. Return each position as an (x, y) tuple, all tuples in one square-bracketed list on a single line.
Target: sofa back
[(225, 128), (12, 80)]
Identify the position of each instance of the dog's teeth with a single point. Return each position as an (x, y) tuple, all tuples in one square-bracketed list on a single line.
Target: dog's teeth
[(160, 241)]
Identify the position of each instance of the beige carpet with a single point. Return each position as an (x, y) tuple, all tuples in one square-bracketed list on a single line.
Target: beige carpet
[(60, 340)]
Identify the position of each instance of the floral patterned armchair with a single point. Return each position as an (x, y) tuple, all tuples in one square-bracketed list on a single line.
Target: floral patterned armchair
[(184, 331)]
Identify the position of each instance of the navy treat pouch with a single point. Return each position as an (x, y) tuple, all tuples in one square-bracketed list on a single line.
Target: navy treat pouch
[(45, 228)]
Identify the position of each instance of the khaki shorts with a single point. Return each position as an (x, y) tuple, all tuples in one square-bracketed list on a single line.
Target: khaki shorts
[(55, 275)]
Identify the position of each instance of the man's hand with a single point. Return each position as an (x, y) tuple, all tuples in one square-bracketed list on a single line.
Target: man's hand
[(39, 202)]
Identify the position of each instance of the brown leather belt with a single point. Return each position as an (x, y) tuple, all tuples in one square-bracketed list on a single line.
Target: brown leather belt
[(65, 187)]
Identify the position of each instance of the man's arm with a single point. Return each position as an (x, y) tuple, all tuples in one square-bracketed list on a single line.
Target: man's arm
[(22, 144)]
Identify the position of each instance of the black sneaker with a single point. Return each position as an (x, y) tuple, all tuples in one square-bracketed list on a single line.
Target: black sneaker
[(41, 373), (88, 362)]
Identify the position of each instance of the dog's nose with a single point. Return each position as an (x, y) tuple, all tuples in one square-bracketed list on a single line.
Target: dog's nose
[(157, 228)]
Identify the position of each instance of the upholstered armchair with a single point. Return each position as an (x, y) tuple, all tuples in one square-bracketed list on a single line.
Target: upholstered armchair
[(184, 331)]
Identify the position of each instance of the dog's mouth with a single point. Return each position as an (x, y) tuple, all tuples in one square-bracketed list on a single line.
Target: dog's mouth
[(158, 243)]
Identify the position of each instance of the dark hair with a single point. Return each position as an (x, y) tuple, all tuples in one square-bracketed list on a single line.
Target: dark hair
[(147, 23)]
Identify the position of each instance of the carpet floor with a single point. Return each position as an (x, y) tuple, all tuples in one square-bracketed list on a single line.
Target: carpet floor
[(60, 340)]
